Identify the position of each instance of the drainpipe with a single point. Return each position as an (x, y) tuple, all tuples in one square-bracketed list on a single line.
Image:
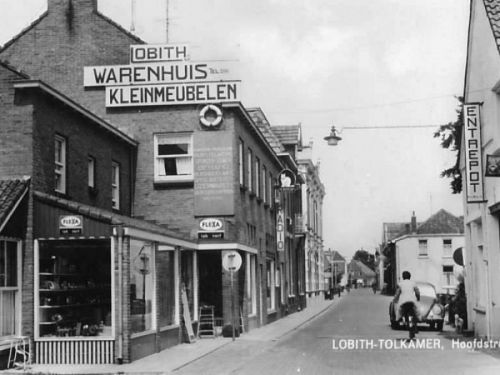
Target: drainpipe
[(119, 234)]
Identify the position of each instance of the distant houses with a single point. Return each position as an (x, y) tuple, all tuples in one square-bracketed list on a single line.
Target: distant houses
[(425, 250)]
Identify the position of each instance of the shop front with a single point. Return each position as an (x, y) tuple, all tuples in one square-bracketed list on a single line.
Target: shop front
[(107, 287)]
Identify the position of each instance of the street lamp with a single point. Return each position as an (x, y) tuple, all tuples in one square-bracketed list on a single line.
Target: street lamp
[(333, 139)]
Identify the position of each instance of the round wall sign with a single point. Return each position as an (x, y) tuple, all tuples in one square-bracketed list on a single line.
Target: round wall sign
[(231, 261), (210, 116)]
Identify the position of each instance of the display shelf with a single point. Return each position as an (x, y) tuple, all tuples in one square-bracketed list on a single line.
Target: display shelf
[(74, 305), (74, 290)]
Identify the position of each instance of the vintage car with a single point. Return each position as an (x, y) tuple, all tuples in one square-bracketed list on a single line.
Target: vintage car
[(429, 310)]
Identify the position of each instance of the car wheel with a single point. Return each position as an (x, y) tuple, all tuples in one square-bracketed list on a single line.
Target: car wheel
[(439, 326), (394, 324)]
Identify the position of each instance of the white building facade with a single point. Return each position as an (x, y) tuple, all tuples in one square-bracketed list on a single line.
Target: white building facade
[(482, 212), (313, 193)]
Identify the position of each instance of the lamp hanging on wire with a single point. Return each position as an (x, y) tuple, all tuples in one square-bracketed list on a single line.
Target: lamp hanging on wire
[(333, 139)]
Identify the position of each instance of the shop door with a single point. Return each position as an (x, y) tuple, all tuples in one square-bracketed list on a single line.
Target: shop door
[(210, 280)]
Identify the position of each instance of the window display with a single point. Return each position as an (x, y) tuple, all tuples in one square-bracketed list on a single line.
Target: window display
[(141, 286), (74, 288)]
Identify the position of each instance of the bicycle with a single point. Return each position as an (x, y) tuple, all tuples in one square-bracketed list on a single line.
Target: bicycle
[(409, 318)]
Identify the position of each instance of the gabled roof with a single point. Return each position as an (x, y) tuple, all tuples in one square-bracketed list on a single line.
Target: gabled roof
[(288, 134), (493, 12), (337, 257), (442, 222), (259, 118), (44, 14), (36, 84), (11, 193), (363, 268), (393, 230)]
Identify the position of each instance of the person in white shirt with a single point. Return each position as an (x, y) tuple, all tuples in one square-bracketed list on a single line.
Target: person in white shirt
[(407, 294)]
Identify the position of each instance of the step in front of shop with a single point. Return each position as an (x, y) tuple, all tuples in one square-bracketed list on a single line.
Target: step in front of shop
[(75, 352)]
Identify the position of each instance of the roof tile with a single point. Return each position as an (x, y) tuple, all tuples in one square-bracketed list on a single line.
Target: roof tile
[(10, 193)]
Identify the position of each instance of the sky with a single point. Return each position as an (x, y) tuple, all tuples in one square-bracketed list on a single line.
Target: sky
[(364, 63)]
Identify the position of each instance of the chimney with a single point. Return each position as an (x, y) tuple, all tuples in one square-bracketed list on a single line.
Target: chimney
[(54, 6), (413, 223)]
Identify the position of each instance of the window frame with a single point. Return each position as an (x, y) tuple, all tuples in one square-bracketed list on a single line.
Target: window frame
[(172, 178), (241, 161), (250, 180), (91, 171), (115, 185), (422, 248), (257, 177), (60, 166), (17, 288)]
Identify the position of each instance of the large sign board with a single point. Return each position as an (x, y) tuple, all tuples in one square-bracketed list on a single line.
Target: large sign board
[(162, 75), (184, 93), (156, 73), (473, 155)]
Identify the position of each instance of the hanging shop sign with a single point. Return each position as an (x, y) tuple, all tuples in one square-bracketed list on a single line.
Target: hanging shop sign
[(473, 159), (160, 75), (280, 230), (210, 116), (493, 165), (286, 179), (159, 52), (70, 224)]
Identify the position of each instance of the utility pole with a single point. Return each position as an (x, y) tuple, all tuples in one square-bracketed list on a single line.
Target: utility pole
[(132, 15), (167, 19)]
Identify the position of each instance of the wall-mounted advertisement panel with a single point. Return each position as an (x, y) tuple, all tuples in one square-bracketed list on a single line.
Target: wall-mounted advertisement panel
[(214, 183), (473, 155)]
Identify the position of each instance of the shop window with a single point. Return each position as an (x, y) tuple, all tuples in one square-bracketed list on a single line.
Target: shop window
[(141, 286), (241, 162), (422, 248), (173, 157), (252, 284), (166, 288), (9, 288), (74, 288), (447, 244), (60, 164), (187, 278), (91, 172), (270, 285)]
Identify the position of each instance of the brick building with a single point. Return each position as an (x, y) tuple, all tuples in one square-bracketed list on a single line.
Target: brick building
[(179, 177), (69, 219)]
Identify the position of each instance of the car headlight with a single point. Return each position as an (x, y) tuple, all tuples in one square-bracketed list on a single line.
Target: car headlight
[(437, 310)]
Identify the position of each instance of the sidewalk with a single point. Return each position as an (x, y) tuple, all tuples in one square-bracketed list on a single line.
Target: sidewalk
[(181, 355)]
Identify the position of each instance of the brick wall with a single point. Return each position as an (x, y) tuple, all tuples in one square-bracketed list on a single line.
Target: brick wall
[(15, 130)]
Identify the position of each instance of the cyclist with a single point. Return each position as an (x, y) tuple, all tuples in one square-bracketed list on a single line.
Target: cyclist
[(407, 294)]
